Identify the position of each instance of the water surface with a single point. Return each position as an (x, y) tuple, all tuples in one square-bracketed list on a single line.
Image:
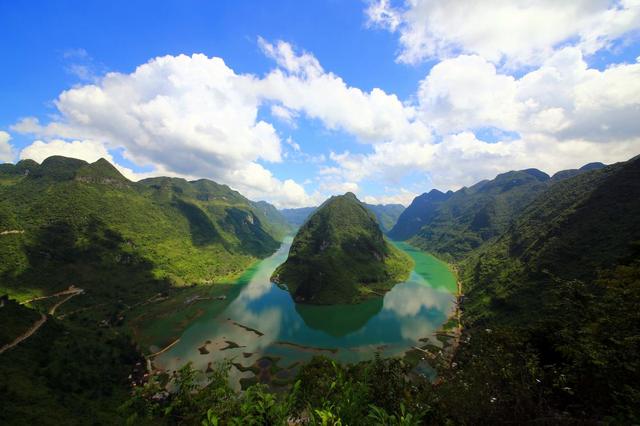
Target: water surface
[(259, 320)]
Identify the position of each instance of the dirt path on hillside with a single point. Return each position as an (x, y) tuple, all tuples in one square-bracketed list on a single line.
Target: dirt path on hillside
[(12, 231), (26, 334), (70, 292)]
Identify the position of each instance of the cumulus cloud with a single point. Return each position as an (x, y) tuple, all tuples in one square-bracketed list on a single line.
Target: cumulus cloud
[(6, 150), (563, 97), (301, 85), (402, 196), (188, 115), (194, 116), (466, 92), (516, 32)]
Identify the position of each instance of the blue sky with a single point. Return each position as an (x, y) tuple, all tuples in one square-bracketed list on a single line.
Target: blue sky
[(383, 98)]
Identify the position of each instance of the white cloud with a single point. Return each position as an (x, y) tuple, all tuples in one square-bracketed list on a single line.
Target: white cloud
[(381, 13), (563, 98), (6, 150), (284, 114), (194, 116), (467, 92), (516, 31), (302, 85), (462, 160), (402, 196), (304, 64), (185, 115)]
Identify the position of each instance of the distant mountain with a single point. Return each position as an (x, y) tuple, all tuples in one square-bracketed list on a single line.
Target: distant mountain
[(296, 217), (455, 223), (420, 212), (387, 214), (340, 255), (565, 174)]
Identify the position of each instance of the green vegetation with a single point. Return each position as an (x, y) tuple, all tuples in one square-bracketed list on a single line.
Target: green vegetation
[(550, 268), (340, 256), (69, 372), (191, 232), (452, 225), (565, 280), (128, 246), (325, 393)]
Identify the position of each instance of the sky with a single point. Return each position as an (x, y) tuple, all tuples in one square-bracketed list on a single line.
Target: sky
[(291, 102)]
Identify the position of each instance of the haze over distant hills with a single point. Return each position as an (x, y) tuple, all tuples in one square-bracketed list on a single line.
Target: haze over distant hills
[(387, 214)]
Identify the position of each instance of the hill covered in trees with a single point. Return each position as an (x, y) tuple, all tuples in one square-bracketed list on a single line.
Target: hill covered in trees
[(453, 224), (340, 255), (65, 223)]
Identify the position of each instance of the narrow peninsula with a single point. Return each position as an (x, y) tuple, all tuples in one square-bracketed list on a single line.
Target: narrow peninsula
[(340, 255)]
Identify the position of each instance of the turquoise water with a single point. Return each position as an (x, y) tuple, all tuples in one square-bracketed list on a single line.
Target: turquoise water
[(262, 320)]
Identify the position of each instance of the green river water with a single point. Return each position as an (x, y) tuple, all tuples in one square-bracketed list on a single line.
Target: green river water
[(258, 324)]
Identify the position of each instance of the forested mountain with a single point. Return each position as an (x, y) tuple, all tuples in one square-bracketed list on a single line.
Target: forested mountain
[(550, 270), (296, 216), (576, 230), (176, 225), (387, 214), (453, 224), (564, 281), (420, 212), (340, 255), (66, 223)]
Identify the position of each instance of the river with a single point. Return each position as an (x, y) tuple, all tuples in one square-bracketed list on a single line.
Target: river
[(258, 324)]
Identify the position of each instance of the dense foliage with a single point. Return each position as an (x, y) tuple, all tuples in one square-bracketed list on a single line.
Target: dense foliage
[(550, 268), (565, 277), (340, 256), (453, 224), (189, 231), (69, 223)]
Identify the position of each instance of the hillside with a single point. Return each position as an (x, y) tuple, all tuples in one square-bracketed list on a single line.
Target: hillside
[(67, 222), (578, 228), (189, 231), (564, 281), (453, 224), (420, 212), (340, 256)]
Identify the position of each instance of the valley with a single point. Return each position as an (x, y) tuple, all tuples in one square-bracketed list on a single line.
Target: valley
[(529, 266)]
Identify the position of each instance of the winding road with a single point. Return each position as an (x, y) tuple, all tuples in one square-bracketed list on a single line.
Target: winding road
[(70, 292)]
